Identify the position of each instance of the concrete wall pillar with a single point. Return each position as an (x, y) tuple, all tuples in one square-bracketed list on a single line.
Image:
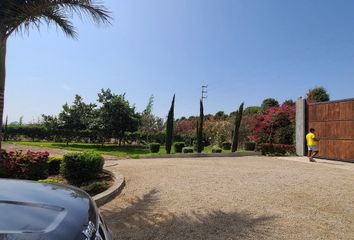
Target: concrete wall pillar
[(300, 126)]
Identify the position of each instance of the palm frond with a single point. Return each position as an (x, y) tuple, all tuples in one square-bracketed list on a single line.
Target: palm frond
[(20, 15), (61, 20)]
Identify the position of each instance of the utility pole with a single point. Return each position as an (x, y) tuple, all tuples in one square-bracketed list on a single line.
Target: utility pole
[(204, 92)]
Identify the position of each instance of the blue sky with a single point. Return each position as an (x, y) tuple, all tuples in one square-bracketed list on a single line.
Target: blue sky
[(245, 50)]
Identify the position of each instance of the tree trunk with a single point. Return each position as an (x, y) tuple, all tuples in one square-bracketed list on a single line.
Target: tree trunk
[(2, 81)]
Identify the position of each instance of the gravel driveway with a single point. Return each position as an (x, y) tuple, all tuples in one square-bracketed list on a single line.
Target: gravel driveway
[(232, 198)]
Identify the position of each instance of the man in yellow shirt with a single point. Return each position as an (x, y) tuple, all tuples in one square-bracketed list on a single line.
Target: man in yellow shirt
[(312, 145)]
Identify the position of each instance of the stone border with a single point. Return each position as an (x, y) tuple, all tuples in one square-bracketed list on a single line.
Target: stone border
[(117, 187), (203, 155)]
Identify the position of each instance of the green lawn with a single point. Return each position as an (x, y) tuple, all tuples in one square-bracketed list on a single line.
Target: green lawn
[(106, 149)]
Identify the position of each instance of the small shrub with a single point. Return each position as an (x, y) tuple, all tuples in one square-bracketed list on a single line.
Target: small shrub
[(78, 168), (187, 150), (30, 165), (195, 147), (250, 146), (216, 150), (54, 165), (178, 146), (226, 145), (154, 147), (277, 149)]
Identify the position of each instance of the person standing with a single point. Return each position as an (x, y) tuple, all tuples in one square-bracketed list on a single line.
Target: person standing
[(312, 145)]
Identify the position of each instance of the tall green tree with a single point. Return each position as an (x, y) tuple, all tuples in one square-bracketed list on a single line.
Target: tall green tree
[(318, 94), (251, 110), (200, 125), (116, 116), (51, 124), (237, 125), (75, 118), (150, 123), (169, 127), (21, 15)]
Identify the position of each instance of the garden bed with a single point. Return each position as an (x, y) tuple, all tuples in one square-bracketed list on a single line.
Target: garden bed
[(83, 170), (93, 187)]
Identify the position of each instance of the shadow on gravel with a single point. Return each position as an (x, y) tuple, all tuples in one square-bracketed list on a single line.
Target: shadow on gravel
[(143, 219)]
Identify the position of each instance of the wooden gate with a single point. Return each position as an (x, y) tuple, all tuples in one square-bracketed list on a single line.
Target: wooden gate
[(334, 125)]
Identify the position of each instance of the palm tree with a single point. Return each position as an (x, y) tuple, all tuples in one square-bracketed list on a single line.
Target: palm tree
[(21, 15)]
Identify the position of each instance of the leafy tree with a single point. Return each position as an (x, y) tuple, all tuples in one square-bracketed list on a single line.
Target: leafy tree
[(148, 109), (289, 103), (200, 125), (116, 116), (169, 127), (21, 15), (51, 123), (220, 115), (318, 94), (217, 131), (235, 136), (75, 118), (251, 110), (268, 103), (150, 123), (186, 129)]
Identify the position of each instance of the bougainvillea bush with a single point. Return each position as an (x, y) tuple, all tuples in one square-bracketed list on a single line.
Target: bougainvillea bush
[(277, 125), (19, 165)]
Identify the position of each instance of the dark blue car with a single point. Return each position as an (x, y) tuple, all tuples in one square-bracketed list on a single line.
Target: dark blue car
[(34, 211)]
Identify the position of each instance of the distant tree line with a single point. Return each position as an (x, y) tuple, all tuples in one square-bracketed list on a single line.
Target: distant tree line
[(113, 119)]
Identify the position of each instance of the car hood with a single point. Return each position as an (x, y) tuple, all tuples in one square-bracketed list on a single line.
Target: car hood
[(32, 210)]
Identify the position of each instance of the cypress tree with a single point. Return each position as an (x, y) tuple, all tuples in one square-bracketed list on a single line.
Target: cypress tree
[(169, 127), (200, 146), (238, 120)]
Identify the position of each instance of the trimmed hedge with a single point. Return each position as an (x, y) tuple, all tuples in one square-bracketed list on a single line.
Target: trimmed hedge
[(226, 145), (277, 149), (154, 147), (250, 146), (29, 165), (54, 165), (78, 168), (216, 150), (178, 146), (187, 150)]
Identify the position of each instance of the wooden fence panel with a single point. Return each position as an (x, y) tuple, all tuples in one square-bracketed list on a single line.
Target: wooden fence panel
[(334, 124)]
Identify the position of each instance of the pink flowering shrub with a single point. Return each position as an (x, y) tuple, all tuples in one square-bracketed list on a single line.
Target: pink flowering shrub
[(29, 165), (277, 125)]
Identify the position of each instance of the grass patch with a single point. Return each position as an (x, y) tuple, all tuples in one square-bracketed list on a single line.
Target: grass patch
[(108, 149)]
